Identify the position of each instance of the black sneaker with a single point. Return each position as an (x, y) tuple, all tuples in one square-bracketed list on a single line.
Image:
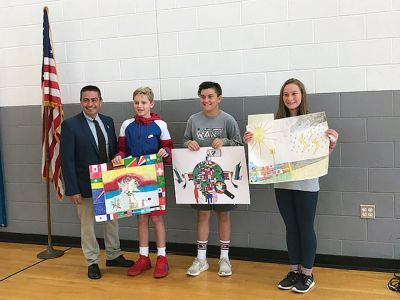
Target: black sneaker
[(304, 284), (289, 281)]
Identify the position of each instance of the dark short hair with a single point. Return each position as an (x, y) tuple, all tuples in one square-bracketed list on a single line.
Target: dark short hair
[(91, 88), (210, 85)]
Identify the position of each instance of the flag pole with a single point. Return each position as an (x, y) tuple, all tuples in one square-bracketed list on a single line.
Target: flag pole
[(50, 252)]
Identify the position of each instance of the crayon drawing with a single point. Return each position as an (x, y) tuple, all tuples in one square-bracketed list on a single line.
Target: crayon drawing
[(288, 149)]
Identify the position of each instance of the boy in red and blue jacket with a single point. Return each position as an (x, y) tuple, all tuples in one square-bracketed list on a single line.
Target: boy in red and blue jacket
[(145, 134)]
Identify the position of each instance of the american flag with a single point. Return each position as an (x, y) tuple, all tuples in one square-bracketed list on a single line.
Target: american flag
[(52, 112)]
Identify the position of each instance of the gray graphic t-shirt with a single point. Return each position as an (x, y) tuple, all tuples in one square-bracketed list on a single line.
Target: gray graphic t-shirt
[(204, 129)]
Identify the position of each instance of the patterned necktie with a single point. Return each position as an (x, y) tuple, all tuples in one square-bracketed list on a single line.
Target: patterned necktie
[(102, 142)]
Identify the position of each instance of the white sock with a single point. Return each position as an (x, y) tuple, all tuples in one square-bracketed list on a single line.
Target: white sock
[(224, 249), (202, 250), (161, 251), (144, 251)]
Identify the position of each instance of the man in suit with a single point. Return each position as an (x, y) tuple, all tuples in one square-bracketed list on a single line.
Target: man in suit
[(86, 139)]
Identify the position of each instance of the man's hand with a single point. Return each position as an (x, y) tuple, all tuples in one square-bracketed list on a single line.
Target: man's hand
[(76, 199)]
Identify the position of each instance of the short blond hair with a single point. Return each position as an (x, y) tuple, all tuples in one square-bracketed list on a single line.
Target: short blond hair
[(144, 90)]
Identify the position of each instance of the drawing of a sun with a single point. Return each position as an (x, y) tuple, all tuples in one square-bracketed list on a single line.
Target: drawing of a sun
[(263, 139), (258, 143), (258, 134)]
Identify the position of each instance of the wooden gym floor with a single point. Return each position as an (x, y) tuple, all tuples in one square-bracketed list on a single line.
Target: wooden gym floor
[(23, 276)]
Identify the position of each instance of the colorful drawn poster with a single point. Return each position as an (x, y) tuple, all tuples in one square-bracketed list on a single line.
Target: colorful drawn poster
[(210, 176), (288, 149), (137, 186)]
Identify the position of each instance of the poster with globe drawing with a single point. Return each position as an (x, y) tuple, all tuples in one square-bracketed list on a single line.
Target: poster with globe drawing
[(210, 176), (288, 149)]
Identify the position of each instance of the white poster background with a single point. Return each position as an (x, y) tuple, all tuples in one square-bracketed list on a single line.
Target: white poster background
[(184, 162)]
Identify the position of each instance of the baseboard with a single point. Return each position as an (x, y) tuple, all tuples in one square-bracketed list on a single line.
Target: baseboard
[(241, 253)]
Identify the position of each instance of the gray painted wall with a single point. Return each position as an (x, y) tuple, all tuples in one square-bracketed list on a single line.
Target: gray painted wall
[(364, 169)]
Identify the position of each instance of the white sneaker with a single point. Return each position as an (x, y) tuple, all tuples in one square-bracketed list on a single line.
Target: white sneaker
[(225, 268), (198, 266)]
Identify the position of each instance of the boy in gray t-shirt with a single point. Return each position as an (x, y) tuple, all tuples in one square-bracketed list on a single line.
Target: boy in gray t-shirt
[(211, 127)]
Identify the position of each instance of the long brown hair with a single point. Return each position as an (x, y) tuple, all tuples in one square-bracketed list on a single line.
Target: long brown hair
[(283, 111)]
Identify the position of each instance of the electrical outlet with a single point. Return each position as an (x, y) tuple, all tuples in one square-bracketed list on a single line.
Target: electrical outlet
[(367, 211)]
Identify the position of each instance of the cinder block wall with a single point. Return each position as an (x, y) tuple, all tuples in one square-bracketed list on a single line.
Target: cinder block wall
[(364, 169), (346, 53)]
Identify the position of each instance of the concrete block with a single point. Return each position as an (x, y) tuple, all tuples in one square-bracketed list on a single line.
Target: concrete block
[(375, 155), (383, 202), (383, 180)]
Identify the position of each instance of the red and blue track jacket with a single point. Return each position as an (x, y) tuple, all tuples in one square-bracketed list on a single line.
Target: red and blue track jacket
[(141, 136)]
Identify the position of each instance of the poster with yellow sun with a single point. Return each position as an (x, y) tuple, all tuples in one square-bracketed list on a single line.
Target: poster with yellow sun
[(288, 149)]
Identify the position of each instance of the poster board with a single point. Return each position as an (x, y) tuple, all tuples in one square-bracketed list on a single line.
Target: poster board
[(288, 149), (210, 176), (137, 186)]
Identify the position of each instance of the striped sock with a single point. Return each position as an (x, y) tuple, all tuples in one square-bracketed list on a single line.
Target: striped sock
[(202, 249), (224, 249)]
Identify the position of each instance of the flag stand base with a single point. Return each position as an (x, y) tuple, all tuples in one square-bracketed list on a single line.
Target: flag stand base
[(50, 253)]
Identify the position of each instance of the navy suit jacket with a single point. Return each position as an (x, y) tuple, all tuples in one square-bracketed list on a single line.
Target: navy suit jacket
[(78, 150)]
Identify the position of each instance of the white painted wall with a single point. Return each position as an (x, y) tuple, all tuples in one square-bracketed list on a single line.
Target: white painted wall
[(249, 46)]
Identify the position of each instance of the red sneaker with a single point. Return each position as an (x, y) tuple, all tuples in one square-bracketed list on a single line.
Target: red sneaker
[(161, 269), (142, 264)]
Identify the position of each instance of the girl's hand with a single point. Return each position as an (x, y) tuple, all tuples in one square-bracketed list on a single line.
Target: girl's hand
[(117, 160), (162, 153), (333, 138), (247, 137), (217, 143), (193, 146)]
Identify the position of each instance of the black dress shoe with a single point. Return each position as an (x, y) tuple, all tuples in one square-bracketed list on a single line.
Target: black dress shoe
[(94, 272), (120, 261)]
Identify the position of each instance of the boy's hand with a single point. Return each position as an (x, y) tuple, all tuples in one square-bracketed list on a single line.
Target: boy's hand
[(117, 159), (217, 143), (193, 146), (162, 153), (247, 137)]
